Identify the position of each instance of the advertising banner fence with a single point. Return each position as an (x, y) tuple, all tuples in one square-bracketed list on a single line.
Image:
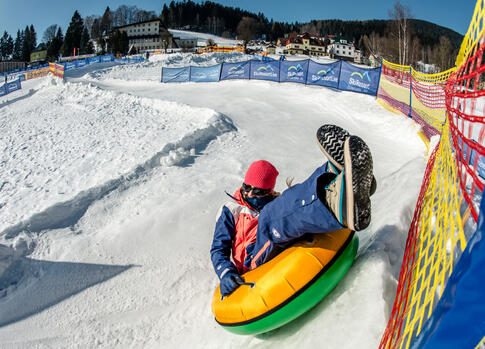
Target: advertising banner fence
[(176, 74), (78, 63), (265, 70), (235, 70), (92, 60), (357, 79), (339, 75), (205, 74), (10, 87), (107, 58), (37, 73), (323, 74), (294, 71)]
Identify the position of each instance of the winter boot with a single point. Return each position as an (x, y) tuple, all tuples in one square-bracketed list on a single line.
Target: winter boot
[(331, 139), (347, 195)]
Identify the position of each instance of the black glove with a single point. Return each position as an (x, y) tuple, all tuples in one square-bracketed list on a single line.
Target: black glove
[(229, 283)]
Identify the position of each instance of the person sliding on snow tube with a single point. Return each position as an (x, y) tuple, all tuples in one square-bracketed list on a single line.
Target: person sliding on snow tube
[(258, 223)]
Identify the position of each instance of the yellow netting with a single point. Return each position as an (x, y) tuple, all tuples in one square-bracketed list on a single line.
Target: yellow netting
[(436, 231), (436, 236), (394, 85), (475, 34), (420, 96), (428, 97)]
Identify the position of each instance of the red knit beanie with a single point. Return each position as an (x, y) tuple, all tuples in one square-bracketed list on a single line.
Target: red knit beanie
[(261, 174)]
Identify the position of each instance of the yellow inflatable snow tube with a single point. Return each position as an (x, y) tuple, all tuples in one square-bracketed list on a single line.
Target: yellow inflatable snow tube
[(287, 285)]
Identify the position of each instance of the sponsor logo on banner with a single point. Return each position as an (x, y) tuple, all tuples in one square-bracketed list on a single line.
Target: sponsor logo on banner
[(360, 80), (238, 70), (295, 71), (203, 75), (69, 65), (266, 71), (13, 86), (37, 73), (325, 75)]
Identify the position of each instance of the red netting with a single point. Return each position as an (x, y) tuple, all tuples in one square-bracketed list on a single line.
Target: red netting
[(465, 101), (399, 311)]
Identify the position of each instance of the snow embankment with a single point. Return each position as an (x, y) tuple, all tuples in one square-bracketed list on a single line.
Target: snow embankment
[(68, 149)]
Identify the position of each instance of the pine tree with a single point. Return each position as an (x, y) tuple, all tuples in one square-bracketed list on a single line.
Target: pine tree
[(33, 38), (17, 46), (73, 35), (55, 45), (26, 45), (86, 44), (6, 46), (9, 46), (105, 24)]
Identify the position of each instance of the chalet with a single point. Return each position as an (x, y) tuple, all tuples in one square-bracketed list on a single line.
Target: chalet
[(305, 44), (270, 49), (39, 54), (148, 35), (342, 48)]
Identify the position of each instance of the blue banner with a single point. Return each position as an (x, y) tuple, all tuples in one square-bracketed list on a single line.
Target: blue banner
[(265, 70), (176, 74), (458, 321), (69, 65), (80, 63), (107, 58), (235, 70), (357, 79), (469, 155), (10, 87), (294, 71), (13, 86), (323, 74), (92, 60), (205, 74)]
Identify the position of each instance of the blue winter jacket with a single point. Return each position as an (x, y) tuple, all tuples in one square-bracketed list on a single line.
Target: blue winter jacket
[(297, 211)]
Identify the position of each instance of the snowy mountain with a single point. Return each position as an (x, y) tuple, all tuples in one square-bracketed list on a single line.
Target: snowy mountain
[(110, 183)]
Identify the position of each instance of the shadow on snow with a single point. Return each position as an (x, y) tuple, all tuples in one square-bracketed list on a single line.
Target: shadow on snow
[(39, 285)]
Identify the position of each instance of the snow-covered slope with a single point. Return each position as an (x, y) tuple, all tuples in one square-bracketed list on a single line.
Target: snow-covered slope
[(203, 38), (109, 187)]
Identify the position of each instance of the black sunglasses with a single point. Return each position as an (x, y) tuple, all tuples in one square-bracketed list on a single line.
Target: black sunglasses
[(256, 191)]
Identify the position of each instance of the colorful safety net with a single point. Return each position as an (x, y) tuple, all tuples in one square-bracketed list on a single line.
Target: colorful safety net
[(450, 104), (419, 96)]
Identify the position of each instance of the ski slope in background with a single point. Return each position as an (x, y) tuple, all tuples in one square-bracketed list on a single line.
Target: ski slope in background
[(110, 183)]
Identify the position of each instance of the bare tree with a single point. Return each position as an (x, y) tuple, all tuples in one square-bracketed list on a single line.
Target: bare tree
[(414, 50), (373, 44), (88, 23), (142, 15), (443, 54), (122, 15), (400, 15), (247, 29), (50, 33)]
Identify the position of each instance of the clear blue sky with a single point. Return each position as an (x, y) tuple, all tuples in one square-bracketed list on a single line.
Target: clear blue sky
[(16, 14)]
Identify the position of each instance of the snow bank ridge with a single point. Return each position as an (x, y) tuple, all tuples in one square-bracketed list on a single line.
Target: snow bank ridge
[(181, 153)]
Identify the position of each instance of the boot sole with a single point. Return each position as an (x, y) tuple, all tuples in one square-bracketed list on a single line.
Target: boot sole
[(358, 182), (331, 139)]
